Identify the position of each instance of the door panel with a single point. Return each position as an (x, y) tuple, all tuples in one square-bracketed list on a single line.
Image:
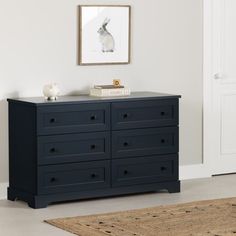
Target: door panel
[(228, 41), (228, 124), (223, 82)]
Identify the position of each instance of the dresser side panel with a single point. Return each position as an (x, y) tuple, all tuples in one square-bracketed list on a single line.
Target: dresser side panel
[(22, 147)]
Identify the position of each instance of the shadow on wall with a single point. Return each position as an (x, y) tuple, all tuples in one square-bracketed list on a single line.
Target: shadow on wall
[(4, 137)]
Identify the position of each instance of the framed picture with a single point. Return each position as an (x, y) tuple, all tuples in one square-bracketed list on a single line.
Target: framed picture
[(104, 34)]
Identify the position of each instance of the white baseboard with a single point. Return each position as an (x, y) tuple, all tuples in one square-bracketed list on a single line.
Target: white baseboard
[(197, 171), (185, 172), (3, 190)]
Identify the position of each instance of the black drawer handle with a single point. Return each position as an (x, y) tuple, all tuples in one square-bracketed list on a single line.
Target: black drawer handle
[(53, 120), (93, 146), (126, 172), (125, 144), (52, 150), (93, 117), (163, 168), (126, 115), (93, 176), (53, 180), (163, 113), (163, 140)]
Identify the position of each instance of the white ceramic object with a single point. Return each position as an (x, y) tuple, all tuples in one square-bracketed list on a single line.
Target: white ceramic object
[(51, 91)]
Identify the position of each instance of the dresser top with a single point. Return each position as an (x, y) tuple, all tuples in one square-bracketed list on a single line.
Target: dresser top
[(87, 99)]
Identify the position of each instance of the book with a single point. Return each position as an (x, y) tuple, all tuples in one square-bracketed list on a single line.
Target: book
[(99, 92), (108, 86)]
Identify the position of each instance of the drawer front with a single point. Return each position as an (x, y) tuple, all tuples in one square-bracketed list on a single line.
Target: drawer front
[(141, 142), (73, 148), (73, 118), (144, 170), (73, 177), (143, 114)]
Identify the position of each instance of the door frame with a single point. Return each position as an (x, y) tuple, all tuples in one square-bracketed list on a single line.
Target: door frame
[(208, 78), (207, 85)]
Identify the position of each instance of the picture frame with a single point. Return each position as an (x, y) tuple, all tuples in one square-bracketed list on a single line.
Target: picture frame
[(104, 34)]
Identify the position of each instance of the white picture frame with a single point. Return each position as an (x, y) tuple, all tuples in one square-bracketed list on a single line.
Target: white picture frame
[(104, 34)]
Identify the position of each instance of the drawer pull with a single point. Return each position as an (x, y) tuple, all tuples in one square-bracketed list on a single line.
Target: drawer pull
[(163, 141), (125, 144), (53, 120), (52, 150), (125, 116), (93, 146), (163, 113), (53, 180), (163, 168), (93, 176), (126, 172), (93, 117)]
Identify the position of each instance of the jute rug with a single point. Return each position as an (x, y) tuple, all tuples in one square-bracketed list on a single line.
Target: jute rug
[(210, 218)]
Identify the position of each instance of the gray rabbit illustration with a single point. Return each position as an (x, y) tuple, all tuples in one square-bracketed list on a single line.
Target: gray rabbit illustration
[(105, 37)]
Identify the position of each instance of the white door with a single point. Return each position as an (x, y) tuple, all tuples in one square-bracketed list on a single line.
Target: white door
[(222, 87)]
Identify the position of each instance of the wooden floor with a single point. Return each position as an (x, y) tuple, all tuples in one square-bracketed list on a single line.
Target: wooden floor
[(17, 219)]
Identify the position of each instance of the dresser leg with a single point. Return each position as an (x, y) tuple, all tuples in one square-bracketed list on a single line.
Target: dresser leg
[(37, 203), (33, 201), (11, 195), (174, 187)]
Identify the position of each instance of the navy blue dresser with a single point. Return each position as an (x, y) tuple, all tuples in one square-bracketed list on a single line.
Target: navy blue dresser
[(82, 147)]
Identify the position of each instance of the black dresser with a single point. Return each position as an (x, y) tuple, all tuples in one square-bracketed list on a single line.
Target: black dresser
[(82, 147)]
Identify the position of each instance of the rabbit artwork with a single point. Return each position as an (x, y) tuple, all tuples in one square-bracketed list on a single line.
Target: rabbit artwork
[(105, 37)]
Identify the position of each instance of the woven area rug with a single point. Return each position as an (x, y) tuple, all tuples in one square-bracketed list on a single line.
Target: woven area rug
[(210, 218)]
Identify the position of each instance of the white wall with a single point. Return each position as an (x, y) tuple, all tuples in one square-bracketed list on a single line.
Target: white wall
[(38, 45)]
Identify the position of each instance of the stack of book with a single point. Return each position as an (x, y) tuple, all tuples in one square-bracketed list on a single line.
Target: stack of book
[(109, 91)]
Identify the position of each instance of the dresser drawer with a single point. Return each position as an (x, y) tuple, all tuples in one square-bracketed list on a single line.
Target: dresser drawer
[(73, 118), (141, 142), (144, 170), (73, 177), (143, 114), (73, 148)]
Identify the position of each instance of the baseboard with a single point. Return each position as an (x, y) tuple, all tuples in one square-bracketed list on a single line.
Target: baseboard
[(3, 190), (185, 172), (197, 171)]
